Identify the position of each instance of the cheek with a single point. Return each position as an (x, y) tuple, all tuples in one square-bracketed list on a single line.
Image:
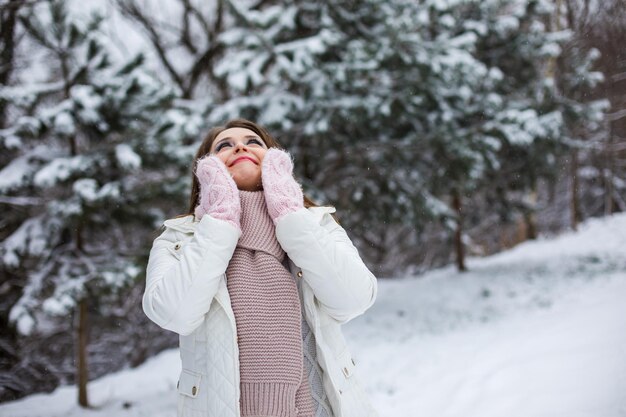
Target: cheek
[(223, 156), (261, 154)]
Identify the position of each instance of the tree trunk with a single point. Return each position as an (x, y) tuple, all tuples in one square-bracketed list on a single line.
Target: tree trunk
[(609, 172), (458, 235), (8, 17), (529, 215), (83, 334), (574, 207)]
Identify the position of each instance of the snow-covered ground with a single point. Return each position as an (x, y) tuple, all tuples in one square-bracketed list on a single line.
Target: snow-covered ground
[(539, 330)]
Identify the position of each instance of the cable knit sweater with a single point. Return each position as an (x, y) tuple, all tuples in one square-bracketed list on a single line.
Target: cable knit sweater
[(268, 314)]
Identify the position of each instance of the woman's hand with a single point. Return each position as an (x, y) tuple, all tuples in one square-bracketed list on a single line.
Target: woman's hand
[(283, 194), (219, 196)]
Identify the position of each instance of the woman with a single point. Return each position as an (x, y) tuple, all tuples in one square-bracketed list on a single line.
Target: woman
[(257, 280)]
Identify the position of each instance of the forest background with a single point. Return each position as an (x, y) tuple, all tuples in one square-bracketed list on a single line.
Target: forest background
[(439, 130)]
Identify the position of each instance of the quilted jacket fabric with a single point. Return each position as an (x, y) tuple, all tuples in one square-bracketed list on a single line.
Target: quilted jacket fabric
[(186, 293)]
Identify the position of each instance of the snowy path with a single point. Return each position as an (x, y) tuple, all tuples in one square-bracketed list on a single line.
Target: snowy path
[(569, 360), (537, 331)]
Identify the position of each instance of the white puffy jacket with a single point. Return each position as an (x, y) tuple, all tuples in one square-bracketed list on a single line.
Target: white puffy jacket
[(186, 293)]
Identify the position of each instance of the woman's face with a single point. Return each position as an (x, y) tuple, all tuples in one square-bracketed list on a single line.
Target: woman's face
[(242, 152)]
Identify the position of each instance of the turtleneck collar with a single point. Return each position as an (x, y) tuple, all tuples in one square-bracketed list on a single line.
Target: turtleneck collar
[(257, 228)]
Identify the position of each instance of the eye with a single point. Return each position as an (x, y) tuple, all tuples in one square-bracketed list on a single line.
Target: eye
[(257, 141), (221, 146)]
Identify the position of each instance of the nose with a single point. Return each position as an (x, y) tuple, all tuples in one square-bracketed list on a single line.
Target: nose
[(240, 146)]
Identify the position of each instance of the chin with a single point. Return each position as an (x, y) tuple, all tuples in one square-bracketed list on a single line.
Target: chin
[(247, 180), (249, 185)]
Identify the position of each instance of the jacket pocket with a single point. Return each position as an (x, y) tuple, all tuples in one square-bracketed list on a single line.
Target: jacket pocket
[(189, 383), (354, 401), (347, 366), (343, 371)]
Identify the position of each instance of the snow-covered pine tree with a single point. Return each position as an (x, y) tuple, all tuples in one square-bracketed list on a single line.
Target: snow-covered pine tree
[(515, 40), (576, 74), (99, 150), (388, 106), (399, 111), (533, 116), (184, 36), (306, 70), (497, 126), (337, 82)]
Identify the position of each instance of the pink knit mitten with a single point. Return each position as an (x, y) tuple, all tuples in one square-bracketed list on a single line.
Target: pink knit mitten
[(283, 194), (219, 196)]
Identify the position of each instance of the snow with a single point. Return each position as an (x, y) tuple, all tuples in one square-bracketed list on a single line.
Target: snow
[(64, 124), (60, 169), (551, 50), (30, 237), (87, 102), (24, 322), (568, 360), (58, 305), (538, 330), (14, 174), (127, 157), (86, 188), (507, 24), (127, 38)]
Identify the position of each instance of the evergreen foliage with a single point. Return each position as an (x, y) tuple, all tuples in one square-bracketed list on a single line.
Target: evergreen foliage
[(391, 108), (95, 148), (418, 120)]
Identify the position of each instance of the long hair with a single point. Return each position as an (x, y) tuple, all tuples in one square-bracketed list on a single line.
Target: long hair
[(205, 148)]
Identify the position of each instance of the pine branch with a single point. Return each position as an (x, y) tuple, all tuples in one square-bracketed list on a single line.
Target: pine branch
[(191, 11), (204, 64), (20, 201), (132, 11), (17, 4), (620, 114)]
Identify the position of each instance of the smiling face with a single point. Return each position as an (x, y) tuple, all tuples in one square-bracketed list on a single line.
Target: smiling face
[(242, 152)]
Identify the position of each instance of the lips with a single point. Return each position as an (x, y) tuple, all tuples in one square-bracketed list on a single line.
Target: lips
[(242, 158)]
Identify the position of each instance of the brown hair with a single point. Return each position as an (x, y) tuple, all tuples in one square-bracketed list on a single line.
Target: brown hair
[(205, 148)]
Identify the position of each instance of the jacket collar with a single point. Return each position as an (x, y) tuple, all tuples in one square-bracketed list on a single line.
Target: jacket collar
[(182, 224), (187, 224)]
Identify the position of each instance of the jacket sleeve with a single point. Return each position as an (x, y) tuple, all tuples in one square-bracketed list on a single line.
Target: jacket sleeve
[(182, 280), (330, 263)]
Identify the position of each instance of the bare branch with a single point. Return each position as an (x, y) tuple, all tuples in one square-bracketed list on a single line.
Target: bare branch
[(185, 35), (205, 61), (132, 11), (620, 114), (616, 147), (618, 77), (20, 201), (191, 11), (15, 5), (585, 13)]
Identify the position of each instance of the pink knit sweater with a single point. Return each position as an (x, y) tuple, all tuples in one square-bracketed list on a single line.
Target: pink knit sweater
[(266, 304)]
